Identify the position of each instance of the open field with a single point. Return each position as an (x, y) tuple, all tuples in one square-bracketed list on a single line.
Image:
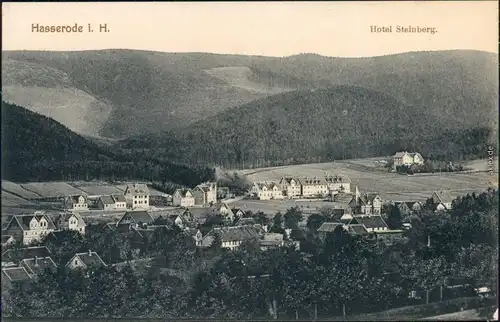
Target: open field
[(273, 206), (16, 189), (97, 188), (51, 189), (390, 186)]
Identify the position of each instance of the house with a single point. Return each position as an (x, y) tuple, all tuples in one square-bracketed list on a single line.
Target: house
[(85, 260), (238, 213), (17, 255), (271, 240), (338, 184), (369, 203), (113, 202), (290, 186), (314, 187), (329, 227), (138, 219), (14, 275), (7, 240), (232, 237), (370, 222), (182, 220), (195, 234), (266, 191), (408, 207), (183, 198), (197, 216), (357, 229), (29, 228), (37, 266), (137, 195), (76, 203), (407, 159), (222, 209), (442, 200), (205, 194), (70, 221)]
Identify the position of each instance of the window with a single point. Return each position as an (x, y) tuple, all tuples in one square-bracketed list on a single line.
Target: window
[(135, 202), (26, 234), (76, 262)]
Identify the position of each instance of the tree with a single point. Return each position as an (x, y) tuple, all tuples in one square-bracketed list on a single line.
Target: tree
[(277, 223), (394, 220), (292, 218), (315, 221)]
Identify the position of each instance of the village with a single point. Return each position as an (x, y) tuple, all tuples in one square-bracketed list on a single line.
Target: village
[(355, 212), (210, 216)]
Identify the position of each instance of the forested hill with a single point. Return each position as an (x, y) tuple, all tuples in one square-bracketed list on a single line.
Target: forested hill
[(119, 93), (321, 125), (37, 148)]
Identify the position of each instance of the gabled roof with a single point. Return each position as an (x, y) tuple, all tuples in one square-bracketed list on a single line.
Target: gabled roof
[(90, 259), (338, 179), (196, 214), (23, 221), (369, 221), (444, 196), (357, 229), (15, 274), (137, 188), (245, 221), (400, 154), (119, 198), (329, 227), (369, 197), (27, 252), (344, 198), (183, 192), (237, 233), (107, 200), (38, 265), (62, 220), (138, 217), (74, 198), (313, 181), (288, 180)]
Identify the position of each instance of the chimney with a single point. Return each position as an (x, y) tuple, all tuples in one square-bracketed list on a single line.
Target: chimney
[(90, 252), (36, 261)]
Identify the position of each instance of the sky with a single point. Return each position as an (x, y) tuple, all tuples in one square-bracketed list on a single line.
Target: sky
[(340, 29)]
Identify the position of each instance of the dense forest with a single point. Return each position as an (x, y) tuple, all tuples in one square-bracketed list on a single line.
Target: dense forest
[(37, 148), (341, 122), (334, 275)]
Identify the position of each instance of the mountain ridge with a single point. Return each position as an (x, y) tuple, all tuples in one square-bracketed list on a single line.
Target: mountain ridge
[(142, 91)]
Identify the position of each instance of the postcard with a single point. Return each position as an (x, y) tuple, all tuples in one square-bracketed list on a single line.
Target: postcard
[(250, 160)]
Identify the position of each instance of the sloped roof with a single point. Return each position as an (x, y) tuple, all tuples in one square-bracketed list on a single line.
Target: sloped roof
[(139, 216), (246, 221), (183, 192), (27, 252), (137, 188), (38, 265), (400, 154), (329, 227), (272, 237), (313, 181), (90, 259), (288, 180), (24, 220), (444, 196), (236, 233), (369, 221), (338, 179), (357, 229), (119, 198), (16, 274), (107, 200), (62, 220), (369, 197), (344, 198)]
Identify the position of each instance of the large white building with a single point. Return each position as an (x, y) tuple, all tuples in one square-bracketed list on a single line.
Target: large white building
[(183, 198), (314, 187), (407, 158), (205, 194), (137, 195), (266, 191), (290, 186)]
